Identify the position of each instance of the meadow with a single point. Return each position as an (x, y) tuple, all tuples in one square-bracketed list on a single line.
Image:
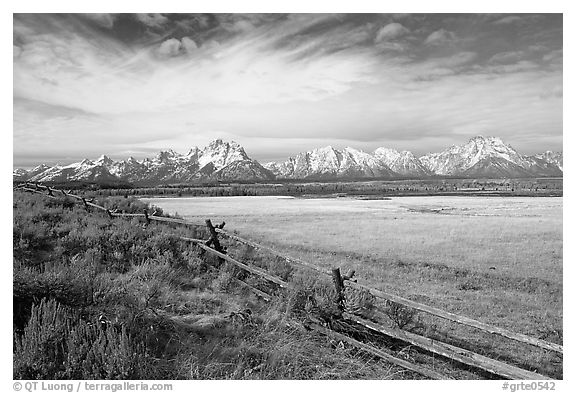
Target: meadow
[(96, 298), (120, 298), (495, 259)]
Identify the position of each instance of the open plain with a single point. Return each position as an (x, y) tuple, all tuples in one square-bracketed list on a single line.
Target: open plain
[(498, 260)]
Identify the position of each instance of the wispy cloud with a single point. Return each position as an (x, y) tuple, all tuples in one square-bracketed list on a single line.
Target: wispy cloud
[(391, 31), (116, 83), (440, 37)]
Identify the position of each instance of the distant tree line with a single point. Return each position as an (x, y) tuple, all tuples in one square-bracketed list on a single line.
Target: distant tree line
[(545, 186)]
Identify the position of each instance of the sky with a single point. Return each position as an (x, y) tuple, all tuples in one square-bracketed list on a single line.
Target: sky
[(278, 84)]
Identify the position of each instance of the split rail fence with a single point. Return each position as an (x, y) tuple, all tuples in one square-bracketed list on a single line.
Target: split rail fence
[(212, 245)]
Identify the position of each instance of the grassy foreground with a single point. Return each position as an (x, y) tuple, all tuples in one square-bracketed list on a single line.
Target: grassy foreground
[(498, 260), (96, 298)]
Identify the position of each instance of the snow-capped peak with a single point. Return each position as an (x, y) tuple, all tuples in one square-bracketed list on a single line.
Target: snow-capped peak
[(193, 152), (166, 156), (41, 167), (221, 154), (479, 156), (458, 159), (386, 154), (403, 162), (82, 164), (104, 160)]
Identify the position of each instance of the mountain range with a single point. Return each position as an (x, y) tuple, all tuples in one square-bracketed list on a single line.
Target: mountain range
[(228, 161)]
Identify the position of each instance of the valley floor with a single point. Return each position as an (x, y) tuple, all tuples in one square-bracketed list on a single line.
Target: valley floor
[(498, 260), (96, 298)]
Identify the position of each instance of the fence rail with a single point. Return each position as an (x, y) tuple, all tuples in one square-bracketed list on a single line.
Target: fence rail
[(412, 304), (457, 354), (381, 354)]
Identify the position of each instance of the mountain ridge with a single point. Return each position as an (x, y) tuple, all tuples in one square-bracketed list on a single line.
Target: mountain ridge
[(228, 161)]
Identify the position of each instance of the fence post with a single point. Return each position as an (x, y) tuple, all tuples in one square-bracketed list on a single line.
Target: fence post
[(339, 285), (213, 240), (146, 216), (85, 203), (214, 237)]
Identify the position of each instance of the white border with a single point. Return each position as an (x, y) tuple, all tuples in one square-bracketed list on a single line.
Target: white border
[(549, 6)]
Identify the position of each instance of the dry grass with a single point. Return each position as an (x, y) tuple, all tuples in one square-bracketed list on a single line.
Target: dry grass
[(96, 298), (498, 260)]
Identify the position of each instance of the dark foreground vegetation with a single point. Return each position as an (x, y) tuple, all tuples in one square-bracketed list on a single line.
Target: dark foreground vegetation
[(101, 298), (362, 189)]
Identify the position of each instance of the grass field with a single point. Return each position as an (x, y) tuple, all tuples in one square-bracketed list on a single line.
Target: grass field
[(495, 259), (103, 299)]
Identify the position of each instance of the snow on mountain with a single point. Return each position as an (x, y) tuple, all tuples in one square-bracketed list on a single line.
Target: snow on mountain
[(84, 170), (479, 151), (19, 174), (538, 165), (359, 163), (217, 161), (552, 157), (104, 160), (36, 171), (480, 156), (404, 162), (221, 154), (327, 162), (496, 167), (243, 169)]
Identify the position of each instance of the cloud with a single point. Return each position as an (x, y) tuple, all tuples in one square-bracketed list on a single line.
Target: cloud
[(152, 20), (553, 57), (506, 57), (521, 66), (239, 26), (104, 20), (391, 31), (188, 44), (174, 47), (440, 37), (508, 20), (170, 47), (81, 87), (553, 92), (456, 60)]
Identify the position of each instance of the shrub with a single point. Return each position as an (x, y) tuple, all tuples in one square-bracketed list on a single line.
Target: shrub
[(40, 352), (97, 353), (359, 302), (57, 344), (399, 314)]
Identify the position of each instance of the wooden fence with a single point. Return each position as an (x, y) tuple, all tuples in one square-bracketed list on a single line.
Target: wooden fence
[(460, 355)]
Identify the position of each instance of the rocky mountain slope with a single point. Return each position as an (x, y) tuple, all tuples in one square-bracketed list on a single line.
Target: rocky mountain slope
[(488, 157), (480, 156), (327, 162), (228, 161), (217, 161)]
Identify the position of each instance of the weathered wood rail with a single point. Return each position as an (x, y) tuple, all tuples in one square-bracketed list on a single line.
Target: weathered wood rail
[(410, 303), (449, 351), (459, 319), (252, 269), (381, 354), (446, 350), (459, 354)]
